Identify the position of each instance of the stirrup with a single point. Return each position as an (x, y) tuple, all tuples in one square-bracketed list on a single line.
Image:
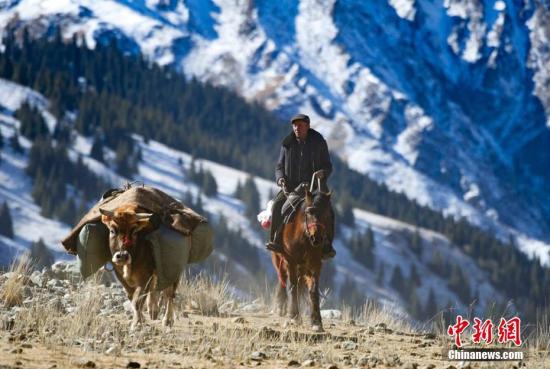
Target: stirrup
[(328, 254)]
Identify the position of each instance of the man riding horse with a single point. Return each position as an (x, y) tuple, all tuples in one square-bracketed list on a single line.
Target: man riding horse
[(303, 152)]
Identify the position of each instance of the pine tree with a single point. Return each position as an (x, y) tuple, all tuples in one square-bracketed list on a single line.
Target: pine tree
[(32, 122), (209, 185), (251, 198), (15, 144), (430, 309), (414, 278), (345, 207), (97, 149), (380, 275), (6, 223), (397, 280), (416, 242), (415, 308), (40, 255)]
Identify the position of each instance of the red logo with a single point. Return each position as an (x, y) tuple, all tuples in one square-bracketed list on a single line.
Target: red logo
[(508, 330), (483, 332), (457, 329)]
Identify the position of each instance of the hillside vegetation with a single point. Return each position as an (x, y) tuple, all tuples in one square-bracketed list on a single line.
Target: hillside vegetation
[(107, 95)]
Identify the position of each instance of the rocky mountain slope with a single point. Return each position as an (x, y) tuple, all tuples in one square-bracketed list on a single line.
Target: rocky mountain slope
[(417, 253), (51, 319)]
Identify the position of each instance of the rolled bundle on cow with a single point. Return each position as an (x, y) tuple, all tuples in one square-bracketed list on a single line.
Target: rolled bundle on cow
[(148, 236)]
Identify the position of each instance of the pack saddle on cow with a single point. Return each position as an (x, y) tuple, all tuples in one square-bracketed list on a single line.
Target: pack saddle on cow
[(149, 237)]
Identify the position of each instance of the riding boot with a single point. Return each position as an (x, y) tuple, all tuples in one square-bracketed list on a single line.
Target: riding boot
[(328, 250), (275, 236)]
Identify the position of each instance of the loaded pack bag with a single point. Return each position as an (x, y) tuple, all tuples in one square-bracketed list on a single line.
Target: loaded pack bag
[(182, 237)]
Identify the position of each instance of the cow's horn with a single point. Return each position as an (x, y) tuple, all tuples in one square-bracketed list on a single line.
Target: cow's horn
[(143, 215), (108, 213)]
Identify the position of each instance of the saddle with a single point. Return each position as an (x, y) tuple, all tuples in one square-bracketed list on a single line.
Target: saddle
[(293, 203)]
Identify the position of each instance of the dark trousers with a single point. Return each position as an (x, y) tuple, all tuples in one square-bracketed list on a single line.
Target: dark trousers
[(277, 217)]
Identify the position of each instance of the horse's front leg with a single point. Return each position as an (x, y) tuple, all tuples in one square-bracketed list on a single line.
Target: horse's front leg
[(313, 289), (293, 312), (281, 299)]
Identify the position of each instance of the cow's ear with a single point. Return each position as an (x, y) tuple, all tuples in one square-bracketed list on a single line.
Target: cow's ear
[(106, 215)]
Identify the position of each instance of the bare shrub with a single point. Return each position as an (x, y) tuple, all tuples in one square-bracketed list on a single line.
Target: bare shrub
[(12, 292)]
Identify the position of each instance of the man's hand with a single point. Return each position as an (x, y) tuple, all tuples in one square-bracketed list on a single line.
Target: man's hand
[(321, 174), (281, 182)]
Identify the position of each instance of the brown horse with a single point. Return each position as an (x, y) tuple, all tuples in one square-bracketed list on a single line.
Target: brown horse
[(301, 261)]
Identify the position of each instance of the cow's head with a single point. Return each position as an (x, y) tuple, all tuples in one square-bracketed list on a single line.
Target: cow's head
[(124, 224)]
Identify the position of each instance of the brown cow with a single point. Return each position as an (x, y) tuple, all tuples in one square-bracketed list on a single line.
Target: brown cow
[(134, 263)]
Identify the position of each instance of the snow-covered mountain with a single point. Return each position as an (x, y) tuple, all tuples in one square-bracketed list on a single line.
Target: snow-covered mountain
[(446, 100), (165, 168)]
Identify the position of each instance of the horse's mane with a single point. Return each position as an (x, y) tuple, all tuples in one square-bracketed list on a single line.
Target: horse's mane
[(321, 201)]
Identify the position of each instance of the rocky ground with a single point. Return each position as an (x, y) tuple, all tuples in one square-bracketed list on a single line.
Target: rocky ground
[(51, 319)]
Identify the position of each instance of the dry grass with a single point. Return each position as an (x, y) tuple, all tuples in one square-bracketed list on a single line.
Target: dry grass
[(12, 292), (203, 293), (215, 332)]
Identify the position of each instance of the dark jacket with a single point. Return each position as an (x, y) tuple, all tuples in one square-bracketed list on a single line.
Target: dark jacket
[(299, 160)]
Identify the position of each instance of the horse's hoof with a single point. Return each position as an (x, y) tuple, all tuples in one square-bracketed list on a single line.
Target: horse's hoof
[(167, 322), (291, 323), (296, 321), (134, 326), (317, 328)]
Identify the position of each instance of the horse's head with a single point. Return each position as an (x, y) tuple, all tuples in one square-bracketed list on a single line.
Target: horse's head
[(123, 223), (317, 217)]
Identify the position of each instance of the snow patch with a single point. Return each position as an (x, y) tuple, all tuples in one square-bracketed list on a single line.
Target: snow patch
[(404, 8)]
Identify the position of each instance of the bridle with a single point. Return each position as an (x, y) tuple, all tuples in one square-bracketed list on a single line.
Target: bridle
[(308, 225)]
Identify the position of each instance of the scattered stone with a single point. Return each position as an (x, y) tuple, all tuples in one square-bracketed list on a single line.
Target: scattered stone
[(349, 345), (133, 365), (128, 306), (258, 356), (331, 314), (371, 330), (383, 328), (430, 336), (18, 350), (393, 360), (239, 320), (308, 363), (449, 367), (37, 279), (410, 366), (85, 363), (293, 363), (8, 323), (54, 283), (26, 345), (332, 366), (252, 308), (429, 366), (111, 350)]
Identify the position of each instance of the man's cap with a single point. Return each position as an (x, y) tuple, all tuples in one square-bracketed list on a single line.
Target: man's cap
[(303, 117)]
